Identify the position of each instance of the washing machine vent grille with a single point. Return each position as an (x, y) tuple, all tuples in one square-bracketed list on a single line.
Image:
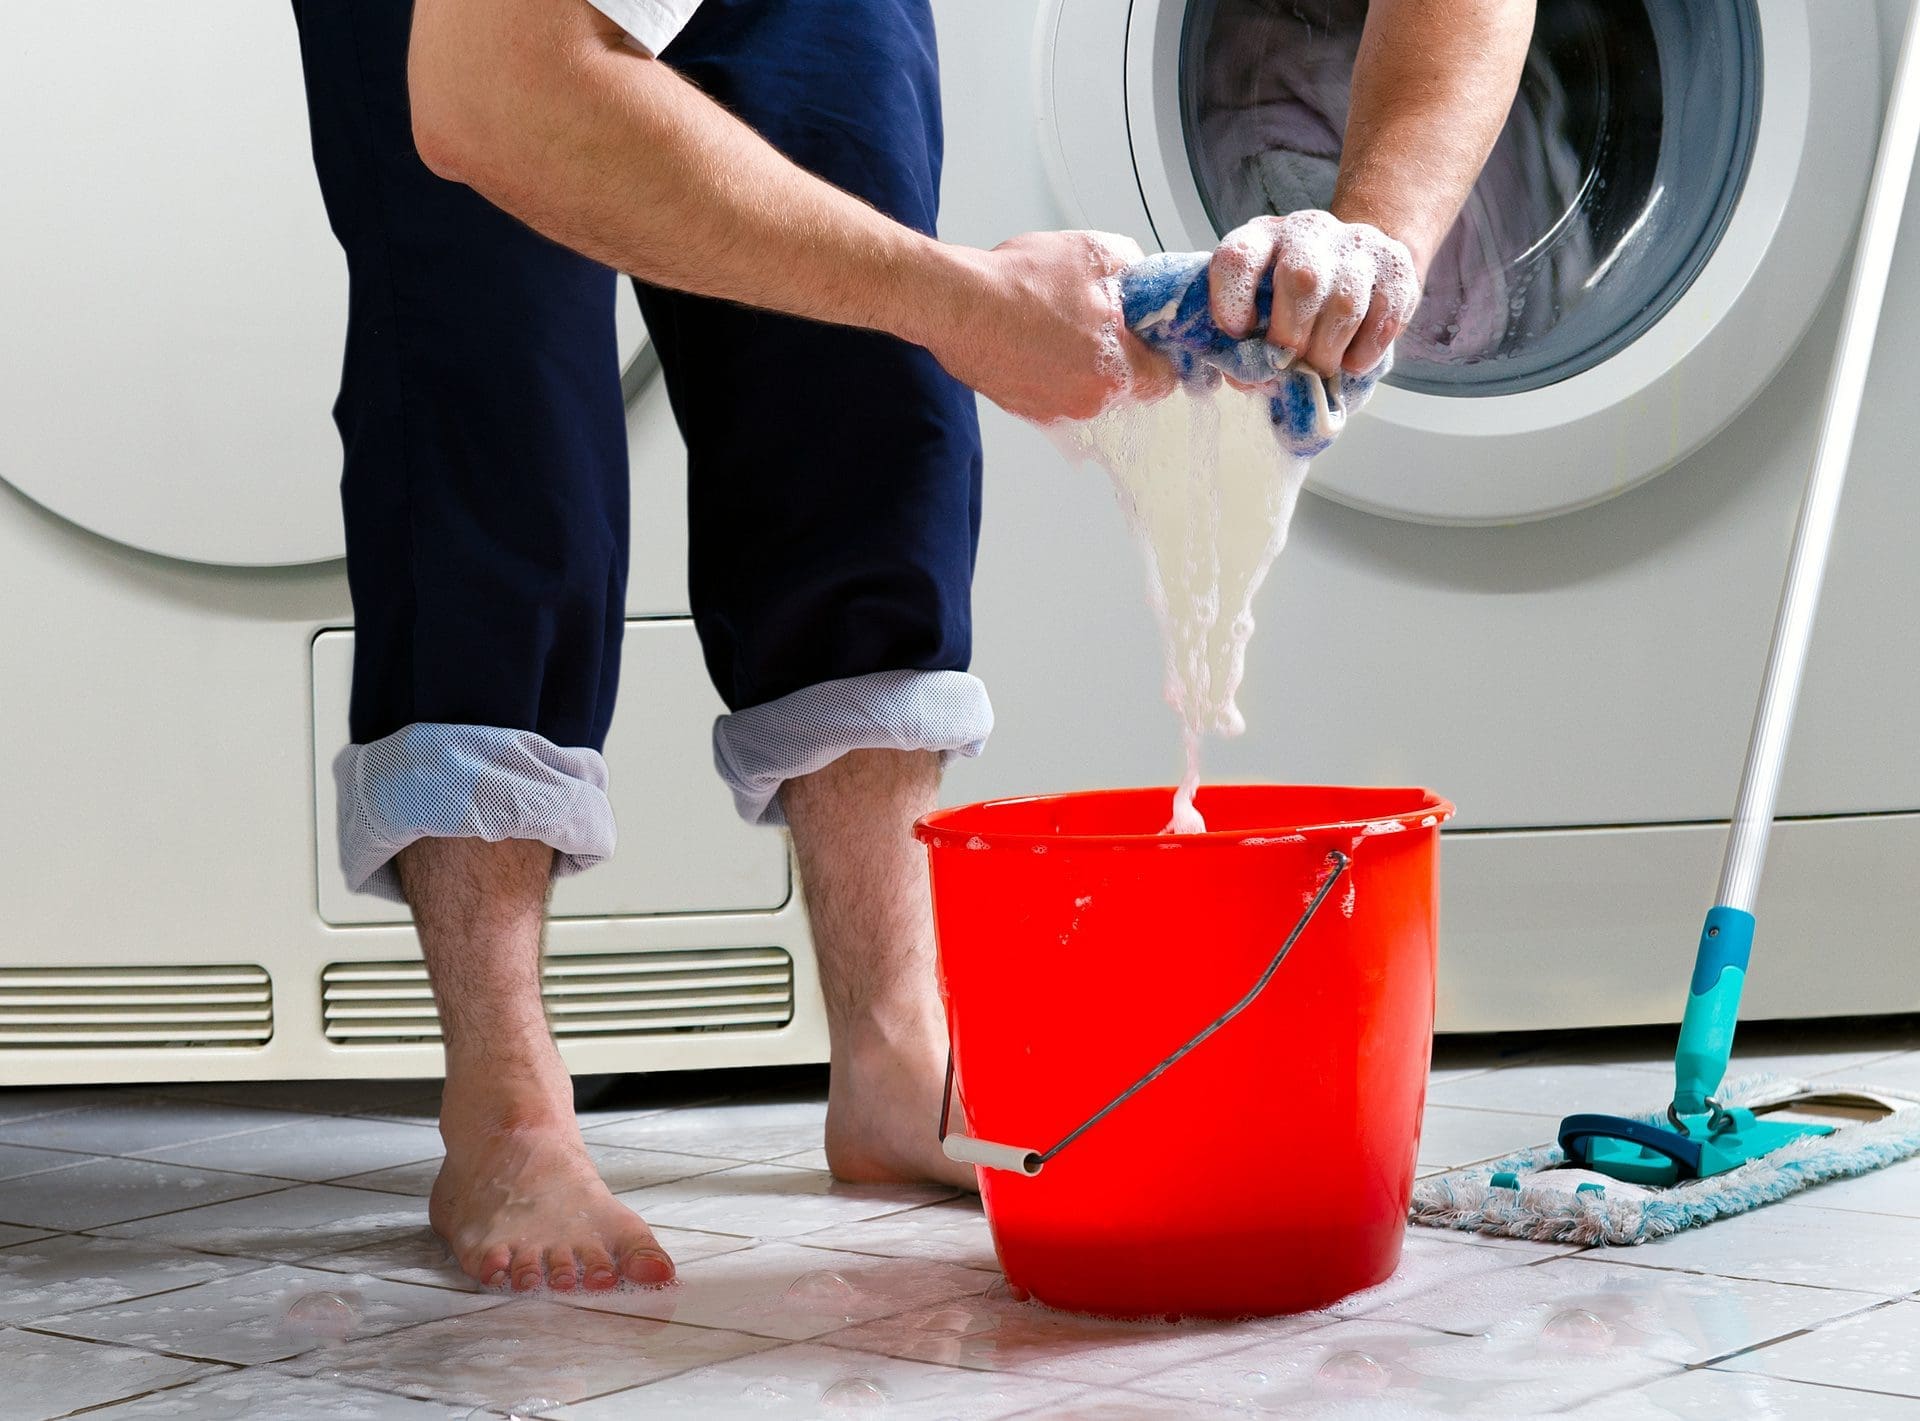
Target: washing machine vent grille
[(602, 995), (154, 1008)]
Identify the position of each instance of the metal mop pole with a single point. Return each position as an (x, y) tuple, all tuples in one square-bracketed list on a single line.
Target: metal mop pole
[(1706, 1033)]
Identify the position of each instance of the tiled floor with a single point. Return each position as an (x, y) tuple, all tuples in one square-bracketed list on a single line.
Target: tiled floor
[(262, 1252)]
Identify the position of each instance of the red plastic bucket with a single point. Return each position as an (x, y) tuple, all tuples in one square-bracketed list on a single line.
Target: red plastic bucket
[(1269, 1169)]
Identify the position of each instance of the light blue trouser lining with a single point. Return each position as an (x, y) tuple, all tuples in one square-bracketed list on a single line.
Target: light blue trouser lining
[(431, 780), (759, 749)]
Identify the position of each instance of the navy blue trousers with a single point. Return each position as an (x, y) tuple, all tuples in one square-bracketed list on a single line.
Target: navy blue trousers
[(834, 475)]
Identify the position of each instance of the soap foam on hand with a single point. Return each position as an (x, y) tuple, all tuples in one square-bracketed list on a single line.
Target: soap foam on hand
[(1208, 482)]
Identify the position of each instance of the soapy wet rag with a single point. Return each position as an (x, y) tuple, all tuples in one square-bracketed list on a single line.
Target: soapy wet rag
[(1165, 301)]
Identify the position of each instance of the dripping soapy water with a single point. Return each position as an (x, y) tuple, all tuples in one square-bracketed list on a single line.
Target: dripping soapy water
[(1209, 538)]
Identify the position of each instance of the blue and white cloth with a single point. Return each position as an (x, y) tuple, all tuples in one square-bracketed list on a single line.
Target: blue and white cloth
[(1166, 300)]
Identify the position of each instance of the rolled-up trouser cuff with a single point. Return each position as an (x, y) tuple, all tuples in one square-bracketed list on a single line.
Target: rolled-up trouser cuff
[(759, 749), (467, 782)]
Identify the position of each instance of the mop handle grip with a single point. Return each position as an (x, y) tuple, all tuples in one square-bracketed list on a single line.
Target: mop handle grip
[(1713, 1009)]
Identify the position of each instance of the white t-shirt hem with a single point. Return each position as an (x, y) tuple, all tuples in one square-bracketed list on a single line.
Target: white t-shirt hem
[(651, 24)]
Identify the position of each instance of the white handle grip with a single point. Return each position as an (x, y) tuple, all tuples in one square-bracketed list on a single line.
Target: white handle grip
[(964, 1149)]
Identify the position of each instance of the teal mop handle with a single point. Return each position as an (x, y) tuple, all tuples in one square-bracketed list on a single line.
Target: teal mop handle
[(1720, 968), (1713, 1008)]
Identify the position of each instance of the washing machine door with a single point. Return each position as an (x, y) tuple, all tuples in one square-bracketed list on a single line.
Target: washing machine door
[(1665, 211), (172, 306)]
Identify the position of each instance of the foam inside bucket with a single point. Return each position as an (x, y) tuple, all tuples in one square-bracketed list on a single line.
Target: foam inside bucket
[(1270, 1170)]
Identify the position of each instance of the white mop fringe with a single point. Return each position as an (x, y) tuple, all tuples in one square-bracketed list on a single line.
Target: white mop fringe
[(1623, 1214)]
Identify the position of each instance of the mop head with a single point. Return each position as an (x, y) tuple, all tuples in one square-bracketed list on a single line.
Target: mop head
[(1550, 1205)]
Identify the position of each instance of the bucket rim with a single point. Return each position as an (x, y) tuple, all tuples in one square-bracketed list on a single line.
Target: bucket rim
[(1433, 810)]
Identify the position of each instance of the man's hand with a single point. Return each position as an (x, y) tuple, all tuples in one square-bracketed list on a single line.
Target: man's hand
[(1035, 326), (1342, 291)]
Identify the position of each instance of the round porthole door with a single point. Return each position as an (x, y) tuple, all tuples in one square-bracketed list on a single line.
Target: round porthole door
[(173, 302), (1675, 189)]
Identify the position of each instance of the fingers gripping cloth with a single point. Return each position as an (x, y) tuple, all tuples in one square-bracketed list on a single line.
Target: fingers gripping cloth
[(1166, 300)]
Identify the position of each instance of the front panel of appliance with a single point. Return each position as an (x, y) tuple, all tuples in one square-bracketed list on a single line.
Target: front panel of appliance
[(1595, 668)]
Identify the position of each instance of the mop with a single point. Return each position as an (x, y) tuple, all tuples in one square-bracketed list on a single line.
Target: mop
[(1711, 1154)]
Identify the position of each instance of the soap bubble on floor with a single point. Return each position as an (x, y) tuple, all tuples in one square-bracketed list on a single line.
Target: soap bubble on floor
[(823, 1293), (527, 1409), (855, 1394), (1352, 1373), (320, 1317), (774, 1390), (1578, 1331)]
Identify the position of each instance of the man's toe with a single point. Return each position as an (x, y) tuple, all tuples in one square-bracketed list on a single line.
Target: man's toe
[(596, 1269), (491, 1266), (647, 1265), (527, 1270)]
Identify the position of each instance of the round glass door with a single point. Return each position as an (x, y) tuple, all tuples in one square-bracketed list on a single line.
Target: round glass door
[(1619, 167)]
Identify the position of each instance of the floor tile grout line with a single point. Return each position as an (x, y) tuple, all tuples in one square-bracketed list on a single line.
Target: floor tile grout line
[(163, 1214), (1879, 1305), (145, 1155), (1604, 1254), (297, 1261), (1491, 1109), (1804, 1381), (24, 1322), (39, 1331), (1800, 1200), (1748, 1277), (338, 1378), (582, 1302), (801, 1242), (272, 1362), (1622, 1391), (99, 1406), (697, 1366), (733, 1161)]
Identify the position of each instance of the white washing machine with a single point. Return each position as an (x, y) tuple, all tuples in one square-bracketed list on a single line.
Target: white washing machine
[(1496, 595), (1540, 572), (175, 631)]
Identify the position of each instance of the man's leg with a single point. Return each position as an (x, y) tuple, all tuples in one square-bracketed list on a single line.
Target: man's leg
[(518, 1200), (867, 902), (833, 505), (486, 509)]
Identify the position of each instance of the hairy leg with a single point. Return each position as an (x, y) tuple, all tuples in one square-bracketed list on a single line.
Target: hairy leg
[(518, 1200), (868, 903)]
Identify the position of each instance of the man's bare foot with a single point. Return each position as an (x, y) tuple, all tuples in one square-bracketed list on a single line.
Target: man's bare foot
[(883, 1116), (520, 1204)]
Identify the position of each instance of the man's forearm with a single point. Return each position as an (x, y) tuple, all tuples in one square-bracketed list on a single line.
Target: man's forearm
[(1431, 88), (543, 108)]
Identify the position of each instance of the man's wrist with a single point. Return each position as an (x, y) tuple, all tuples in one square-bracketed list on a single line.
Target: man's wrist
[(934, 290), (1404, 227)]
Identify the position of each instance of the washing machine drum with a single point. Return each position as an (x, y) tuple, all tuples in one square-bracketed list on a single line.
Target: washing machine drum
[(1669, 202)]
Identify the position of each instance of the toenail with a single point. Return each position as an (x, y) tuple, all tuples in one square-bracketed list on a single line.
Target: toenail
[(652, 1268), (497, 1279)]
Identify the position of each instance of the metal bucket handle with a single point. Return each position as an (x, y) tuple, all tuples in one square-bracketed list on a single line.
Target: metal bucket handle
[(1017, 1159)]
